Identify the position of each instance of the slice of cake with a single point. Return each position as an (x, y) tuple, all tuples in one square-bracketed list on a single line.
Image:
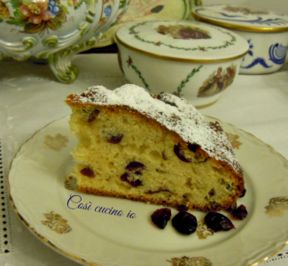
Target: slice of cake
[(153, 149)]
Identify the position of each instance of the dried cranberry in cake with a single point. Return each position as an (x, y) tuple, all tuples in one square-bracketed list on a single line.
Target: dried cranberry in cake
[(87, 171), (131, 179), (218, 222), (92, 115), (179, 151), (239, 212), (160, 217), (134, 166), (114, 139), (185, 223), (193, 147), (133, 174)]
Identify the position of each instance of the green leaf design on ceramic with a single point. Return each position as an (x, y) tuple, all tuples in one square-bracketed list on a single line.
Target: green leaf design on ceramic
[(187, 79), (131, 64), (232, 39)]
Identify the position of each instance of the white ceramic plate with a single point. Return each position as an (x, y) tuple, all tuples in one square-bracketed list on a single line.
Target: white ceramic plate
[(107, 231)]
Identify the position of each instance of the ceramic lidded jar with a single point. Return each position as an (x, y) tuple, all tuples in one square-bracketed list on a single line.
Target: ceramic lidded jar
[(193, 60), (54, 30), (265, 31)]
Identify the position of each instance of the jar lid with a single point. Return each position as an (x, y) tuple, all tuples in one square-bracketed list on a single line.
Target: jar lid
[(242, 18), (182, 40)]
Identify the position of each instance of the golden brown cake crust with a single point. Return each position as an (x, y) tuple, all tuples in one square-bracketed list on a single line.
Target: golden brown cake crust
[(98, 99)]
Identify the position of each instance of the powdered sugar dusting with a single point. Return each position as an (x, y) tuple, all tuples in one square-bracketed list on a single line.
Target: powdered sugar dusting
[(172, 112)]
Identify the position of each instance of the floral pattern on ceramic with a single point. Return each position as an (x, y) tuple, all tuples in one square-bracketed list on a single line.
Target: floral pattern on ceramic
[(56, 142), (276, 54), (265, 31), (218, 81), (183, 32), (36, 16), (54, 30), (242, 15), (234, 140), (277, 206), (175, 56), (228, 41), (178, 91), (190, 261), (244, 10), (56, 223)]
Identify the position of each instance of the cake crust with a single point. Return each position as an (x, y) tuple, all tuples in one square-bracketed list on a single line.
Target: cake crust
[(185, 150)]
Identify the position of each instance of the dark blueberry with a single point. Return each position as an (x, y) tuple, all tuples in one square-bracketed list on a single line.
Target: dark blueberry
[(218, 222), (239, 212), (193, 147), (92, 115), (160, 217), (178, 150), (133, 166), (115, 139), (185, 223), (87, 171)]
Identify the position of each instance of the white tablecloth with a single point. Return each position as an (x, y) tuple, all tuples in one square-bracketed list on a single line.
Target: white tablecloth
[(30, 98)]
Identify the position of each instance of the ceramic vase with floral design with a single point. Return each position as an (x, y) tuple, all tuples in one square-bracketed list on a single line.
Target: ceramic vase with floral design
[(54, 30)]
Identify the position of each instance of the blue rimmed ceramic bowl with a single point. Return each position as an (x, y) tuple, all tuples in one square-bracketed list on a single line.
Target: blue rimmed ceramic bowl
[(265, 31)]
